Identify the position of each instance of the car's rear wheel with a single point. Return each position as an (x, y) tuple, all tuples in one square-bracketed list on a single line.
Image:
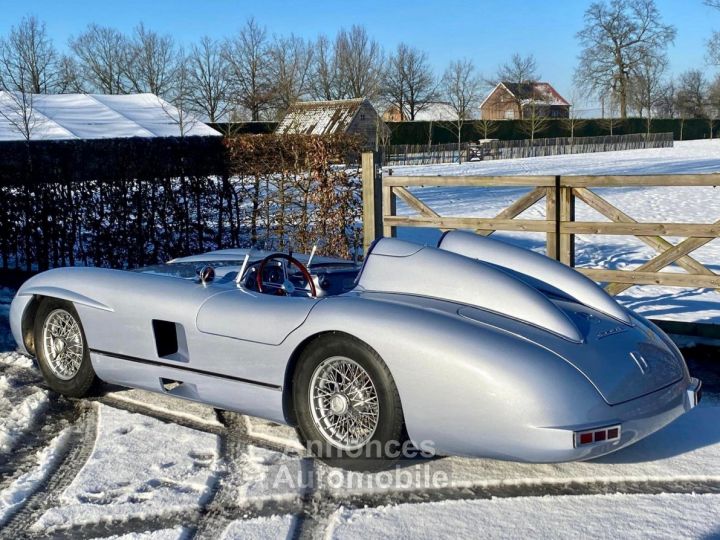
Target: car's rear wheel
[(347, 405), (61, 349)]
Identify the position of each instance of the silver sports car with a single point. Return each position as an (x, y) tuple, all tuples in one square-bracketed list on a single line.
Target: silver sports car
[(474, 347)]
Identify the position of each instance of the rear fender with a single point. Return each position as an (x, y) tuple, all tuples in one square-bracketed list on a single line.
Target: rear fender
[(458, 380)]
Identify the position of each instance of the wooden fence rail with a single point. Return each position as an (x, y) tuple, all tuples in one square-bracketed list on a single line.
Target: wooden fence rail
[(560, 224)]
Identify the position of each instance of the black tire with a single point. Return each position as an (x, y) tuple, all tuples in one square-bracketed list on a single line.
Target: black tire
[(383, 449), (83, 380)]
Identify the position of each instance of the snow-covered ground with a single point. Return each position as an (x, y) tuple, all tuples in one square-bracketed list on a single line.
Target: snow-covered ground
[(600, 516), (137, 465), (650, 204)]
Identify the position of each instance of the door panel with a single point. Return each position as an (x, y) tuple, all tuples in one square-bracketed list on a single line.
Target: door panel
[(255, 317)]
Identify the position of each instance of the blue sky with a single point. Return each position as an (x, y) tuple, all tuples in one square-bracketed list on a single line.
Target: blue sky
[(488, 31)]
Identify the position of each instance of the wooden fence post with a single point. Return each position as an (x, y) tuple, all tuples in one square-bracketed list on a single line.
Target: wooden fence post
[(372, 199), (389, 207), (566, 242), (551, 215)]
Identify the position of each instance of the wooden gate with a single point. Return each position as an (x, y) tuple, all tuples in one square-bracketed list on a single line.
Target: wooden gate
[(559, 225)]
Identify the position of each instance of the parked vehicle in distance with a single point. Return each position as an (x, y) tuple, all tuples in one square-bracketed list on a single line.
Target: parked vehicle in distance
[(473, 348)]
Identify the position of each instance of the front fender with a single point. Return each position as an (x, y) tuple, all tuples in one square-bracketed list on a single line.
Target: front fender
[(64, 294), (61, 283)]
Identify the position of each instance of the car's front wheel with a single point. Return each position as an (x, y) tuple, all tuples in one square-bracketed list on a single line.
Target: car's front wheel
[(347, 405), (61, 349)]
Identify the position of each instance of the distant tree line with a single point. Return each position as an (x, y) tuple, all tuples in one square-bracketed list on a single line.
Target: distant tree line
[(256, 75), (247, 76)]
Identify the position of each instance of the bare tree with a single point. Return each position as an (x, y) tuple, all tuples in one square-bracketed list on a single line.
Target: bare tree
[(461, 86), (713, 44), (409, 84), (359, 59), (534, 118), (647, 86), (713, 49), (421, 83), (692, 89), (17, 109), (488, 127), (617, 39), (181, 97), (209, 79), (69, 80), (291, 60), (248, 60), (394, 88), (28, 59), (28, 66), (325, 77), (610, 119), (519, 69), (667, 97), (101, 53), (712, 104), (574, 120), (150, 62)]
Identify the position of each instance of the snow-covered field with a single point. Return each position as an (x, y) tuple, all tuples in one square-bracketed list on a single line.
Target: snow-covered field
[(128, 464), (651, 204)]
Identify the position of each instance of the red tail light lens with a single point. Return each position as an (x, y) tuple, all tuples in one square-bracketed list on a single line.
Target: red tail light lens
[(592, 436)]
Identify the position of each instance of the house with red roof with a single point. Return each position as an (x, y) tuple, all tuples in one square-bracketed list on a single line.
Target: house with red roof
[(515, 101)]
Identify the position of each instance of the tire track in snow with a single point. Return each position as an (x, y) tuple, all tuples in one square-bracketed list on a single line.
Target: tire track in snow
[(60, 415), (120, 526), (164, 415), (47, 492), (212, 519)]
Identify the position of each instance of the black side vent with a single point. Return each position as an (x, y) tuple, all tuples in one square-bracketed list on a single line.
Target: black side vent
[(166, 339)]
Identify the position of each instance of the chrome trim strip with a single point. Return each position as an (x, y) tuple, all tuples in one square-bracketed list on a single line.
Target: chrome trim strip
[(184, 368)]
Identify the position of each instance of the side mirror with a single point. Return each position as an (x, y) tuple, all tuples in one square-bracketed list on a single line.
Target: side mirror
[(206, 274)]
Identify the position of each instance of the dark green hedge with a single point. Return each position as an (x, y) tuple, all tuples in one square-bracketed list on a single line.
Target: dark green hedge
[(417, 132), (110, 159)]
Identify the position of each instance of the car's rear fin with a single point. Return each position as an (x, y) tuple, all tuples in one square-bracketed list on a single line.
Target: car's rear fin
[(395, 266)]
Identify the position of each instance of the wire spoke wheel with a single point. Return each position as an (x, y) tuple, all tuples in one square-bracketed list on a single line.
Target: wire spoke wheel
[(62, 344), (344, 403)]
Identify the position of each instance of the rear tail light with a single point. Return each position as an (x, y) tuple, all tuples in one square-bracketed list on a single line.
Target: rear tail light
[(592, 436)]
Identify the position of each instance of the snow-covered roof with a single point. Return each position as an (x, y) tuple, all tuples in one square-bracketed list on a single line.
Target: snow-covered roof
[(439, 110), (93, 116), (531, 92), (539, 92), (320, 117)]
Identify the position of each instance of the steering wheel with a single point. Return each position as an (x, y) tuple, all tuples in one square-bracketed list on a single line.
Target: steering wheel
[(294, 262)]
